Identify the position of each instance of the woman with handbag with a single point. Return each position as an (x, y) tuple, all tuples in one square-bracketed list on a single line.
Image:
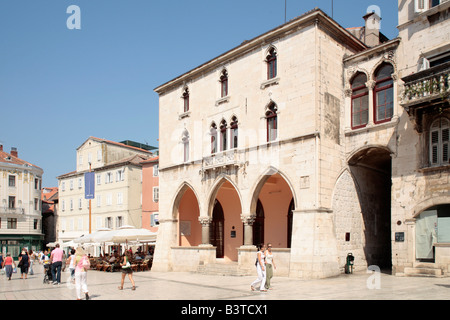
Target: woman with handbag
[(82, 264), (126, 270), (24, 263), (8, 264)]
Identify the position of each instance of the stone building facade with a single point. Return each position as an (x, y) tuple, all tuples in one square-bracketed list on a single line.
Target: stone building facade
[(117, 198), (20, 209), (296, 138)]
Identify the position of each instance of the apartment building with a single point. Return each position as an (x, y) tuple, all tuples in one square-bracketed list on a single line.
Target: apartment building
[(117, 200), (20, 209)]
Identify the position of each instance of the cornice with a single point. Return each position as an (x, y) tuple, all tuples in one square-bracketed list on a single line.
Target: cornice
[(313, 17)]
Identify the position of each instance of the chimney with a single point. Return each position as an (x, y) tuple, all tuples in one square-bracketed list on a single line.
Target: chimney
[(372, 29), (14, 152), (1, 147)]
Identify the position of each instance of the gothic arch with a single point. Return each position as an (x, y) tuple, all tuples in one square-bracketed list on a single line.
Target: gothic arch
[(179, 195), (384, 60), (262, 179), (212, 194)]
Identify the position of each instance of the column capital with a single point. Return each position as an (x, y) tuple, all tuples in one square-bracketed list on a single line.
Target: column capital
[(205, 220), (248, 219), (371, 84)]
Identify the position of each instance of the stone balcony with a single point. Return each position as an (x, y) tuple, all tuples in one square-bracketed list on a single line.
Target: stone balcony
[(426, 86), (426, 93), (222, 160), (12, 211)]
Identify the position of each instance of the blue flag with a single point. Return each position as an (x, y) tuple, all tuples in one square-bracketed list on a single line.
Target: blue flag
[(89, 185)]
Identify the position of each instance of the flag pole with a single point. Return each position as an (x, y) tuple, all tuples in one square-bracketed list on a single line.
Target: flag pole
[(89, 205), (332, 9)]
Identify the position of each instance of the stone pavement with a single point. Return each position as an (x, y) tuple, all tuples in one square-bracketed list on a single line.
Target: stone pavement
[(191, 286)]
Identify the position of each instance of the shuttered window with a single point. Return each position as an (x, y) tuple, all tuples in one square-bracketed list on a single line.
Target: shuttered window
[(439, 142)]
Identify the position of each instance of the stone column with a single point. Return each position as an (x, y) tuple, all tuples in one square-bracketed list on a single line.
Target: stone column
[(395, 103), (248, 220), (371, 85), (206, 223)]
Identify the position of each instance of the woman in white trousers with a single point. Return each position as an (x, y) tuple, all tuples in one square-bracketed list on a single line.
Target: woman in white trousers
[(81, 266), (260, 270)]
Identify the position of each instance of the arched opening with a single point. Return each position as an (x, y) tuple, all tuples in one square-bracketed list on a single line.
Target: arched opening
[(258, 225), (273, 204), (217, 229), (370, 179), (186, 208), (226, 232)]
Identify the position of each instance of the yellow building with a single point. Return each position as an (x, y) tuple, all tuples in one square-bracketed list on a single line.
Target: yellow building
[(118, 188)]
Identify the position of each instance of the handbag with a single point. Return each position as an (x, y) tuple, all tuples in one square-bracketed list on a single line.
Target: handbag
[(127, 265), (86, 263)]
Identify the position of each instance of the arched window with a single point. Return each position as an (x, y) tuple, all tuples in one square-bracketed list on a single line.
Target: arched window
[(272, 123), (234, 133), (186, 100), (271, 60), (224, 84), (384, 93), (185, 141), (439, 142), (223, 135), (360, 101), (213, 131)]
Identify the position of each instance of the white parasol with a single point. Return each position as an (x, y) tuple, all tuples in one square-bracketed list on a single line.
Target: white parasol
[(129, 233), (92, 237)]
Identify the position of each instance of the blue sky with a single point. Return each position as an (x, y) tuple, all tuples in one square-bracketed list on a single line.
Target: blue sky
[(59, 86)]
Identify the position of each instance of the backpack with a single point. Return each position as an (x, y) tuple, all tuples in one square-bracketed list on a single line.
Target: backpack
[(84, 263)]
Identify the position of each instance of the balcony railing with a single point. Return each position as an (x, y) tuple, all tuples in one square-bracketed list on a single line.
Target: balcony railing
[(7, 210), (221, 159), (426, 86)]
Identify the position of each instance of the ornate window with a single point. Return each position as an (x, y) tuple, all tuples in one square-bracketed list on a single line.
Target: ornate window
[(439, 142), (234, 133), (271, 60), (360, 101), (272, 122), (223, 135), (224, 84), (384, 93)]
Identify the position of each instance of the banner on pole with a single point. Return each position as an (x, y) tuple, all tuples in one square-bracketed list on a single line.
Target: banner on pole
[(89, 185)]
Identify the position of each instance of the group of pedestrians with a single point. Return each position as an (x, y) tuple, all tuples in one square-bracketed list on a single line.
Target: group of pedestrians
[(77, 261), (264, 268), (79, 264), (25, 264)]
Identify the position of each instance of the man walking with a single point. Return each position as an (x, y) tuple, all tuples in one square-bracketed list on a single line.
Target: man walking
[(56, 261)]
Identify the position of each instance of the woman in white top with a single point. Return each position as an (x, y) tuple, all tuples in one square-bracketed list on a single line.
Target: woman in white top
[(270, 265), (260, 270), (71, 262)]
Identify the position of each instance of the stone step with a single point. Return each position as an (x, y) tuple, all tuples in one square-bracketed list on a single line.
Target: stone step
[(222, 268), (423, 272)]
